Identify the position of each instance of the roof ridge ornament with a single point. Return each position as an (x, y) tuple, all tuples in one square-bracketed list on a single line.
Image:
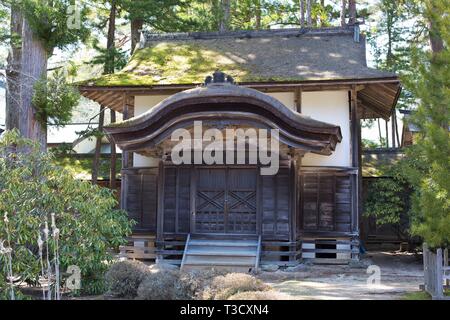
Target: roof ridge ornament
[(219, 77)]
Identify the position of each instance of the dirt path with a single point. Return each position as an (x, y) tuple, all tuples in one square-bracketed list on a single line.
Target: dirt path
[(400, 273)]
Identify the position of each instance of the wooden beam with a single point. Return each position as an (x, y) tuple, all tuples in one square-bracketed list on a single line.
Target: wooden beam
[(374, 113), (110, 98), (136, 90), (375, 107)]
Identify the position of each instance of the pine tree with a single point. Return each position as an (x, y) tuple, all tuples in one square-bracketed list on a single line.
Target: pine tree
[(390, 41), (432, 202)]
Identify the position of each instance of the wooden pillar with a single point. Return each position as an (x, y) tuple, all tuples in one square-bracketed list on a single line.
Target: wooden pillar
[(112, 170), (160, 213), (295, 199), (356, 154), (298, 99), (126, 115), (126, 163)]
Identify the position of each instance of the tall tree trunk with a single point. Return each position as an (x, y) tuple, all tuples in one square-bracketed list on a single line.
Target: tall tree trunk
[(13, 70), (352, 12), (343, 10), (112, 171), (98, 146), (224, 24), (302, 13), (33, 68), (109, 65), (436, 42), (258, 15), (109, 68), (136, 26), (389, 25), (309, 12)]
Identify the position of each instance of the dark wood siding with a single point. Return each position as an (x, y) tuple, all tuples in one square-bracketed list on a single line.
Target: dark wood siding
[(177, 200), (325, 201), (275, 195), (141, 197), (343, 198)]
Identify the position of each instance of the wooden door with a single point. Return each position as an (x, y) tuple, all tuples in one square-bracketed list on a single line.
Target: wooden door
[(225, 201)]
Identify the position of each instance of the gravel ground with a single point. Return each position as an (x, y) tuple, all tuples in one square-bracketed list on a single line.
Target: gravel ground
[(399, 273)]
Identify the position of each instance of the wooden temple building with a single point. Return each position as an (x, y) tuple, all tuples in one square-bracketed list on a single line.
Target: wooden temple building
[(313, 85)]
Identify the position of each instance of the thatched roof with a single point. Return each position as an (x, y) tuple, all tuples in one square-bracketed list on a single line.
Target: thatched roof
[(248, 56), (284, 58)]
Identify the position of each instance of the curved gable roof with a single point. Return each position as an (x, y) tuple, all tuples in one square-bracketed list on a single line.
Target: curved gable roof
[(224, 104)]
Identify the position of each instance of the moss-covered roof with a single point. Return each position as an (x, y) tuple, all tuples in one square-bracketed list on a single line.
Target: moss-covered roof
[(256, 56)]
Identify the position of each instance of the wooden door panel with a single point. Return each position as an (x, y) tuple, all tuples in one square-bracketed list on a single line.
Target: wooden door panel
[(225, 201), (210, 201)]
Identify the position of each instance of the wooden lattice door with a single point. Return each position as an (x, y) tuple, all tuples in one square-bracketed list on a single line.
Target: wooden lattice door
[(225, 201)]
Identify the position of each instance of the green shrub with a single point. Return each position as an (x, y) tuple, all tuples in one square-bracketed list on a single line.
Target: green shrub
[(123, 278), (223, 287), (55, 99), (89, 223)]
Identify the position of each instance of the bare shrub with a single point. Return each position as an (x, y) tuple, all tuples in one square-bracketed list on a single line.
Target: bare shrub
[(124, 277), (159, 285), (257, 295), (190, 285), (223, 287)]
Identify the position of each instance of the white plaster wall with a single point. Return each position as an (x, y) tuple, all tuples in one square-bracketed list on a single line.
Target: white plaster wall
[(286, 98), (143, 161), (331, 107), (145, 103)]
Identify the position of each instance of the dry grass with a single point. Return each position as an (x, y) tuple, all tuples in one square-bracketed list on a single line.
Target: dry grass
[(259, 295), (158, 285), (192, 284), (223, 287)]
